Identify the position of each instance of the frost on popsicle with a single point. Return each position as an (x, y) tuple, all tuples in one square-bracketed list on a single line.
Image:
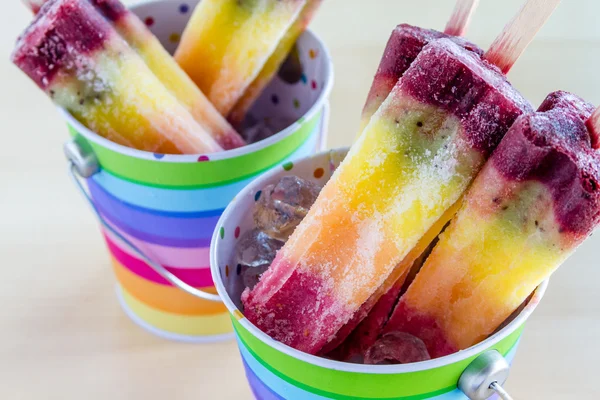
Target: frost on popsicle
[(234, 40), (412, 163), (536, 200), (164, 67), (72, 53)]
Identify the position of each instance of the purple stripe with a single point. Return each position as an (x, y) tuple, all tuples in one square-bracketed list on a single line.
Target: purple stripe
[(152, 224), (259, 389), (155, 239)]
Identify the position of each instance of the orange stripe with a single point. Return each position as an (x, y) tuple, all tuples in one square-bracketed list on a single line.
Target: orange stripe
[(165, 298)]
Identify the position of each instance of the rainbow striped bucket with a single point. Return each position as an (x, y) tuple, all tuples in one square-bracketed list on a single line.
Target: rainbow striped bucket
[(164, 208), (276, 371)]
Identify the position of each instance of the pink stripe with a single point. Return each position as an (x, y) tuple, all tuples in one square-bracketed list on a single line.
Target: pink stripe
[(183, 258), (199, 278)]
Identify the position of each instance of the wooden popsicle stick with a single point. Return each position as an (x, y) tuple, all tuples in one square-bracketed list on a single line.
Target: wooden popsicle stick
[(593, 125), (461, 17), (519, 32), (34, 5)]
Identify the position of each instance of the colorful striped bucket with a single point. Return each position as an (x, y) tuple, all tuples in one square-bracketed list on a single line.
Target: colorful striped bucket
[(167, 206), (276, 371)]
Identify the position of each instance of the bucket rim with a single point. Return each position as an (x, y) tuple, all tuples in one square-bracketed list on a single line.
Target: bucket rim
[(317, 106), (339, 365)]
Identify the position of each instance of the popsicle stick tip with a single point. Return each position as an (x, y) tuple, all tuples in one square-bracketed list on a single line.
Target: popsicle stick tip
[(461, 17), (519, 32), (593, 125), (34, 5)]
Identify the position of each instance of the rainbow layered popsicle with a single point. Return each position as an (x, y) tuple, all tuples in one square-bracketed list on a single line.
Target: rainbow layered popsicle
[(227, 43), (166, 69), (72, 53), (252, 92), (403, 46), (412, 163), (365, 327), (534, 202)]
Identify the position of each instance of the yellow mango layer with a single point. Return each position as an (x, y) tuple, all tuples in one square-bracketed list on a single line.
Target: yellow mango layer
[(488, 261), (227, 43), (166, 69), (272, 65), (119, 98), (397, 181)]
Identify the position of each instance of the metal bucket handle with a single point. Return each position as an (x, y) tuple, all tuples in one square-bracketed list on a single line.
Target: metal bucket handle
[(84, 164)]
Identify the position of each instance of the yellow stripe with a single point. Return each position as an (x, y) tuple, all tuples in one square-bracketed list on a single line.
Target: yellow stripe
[(180, 324)]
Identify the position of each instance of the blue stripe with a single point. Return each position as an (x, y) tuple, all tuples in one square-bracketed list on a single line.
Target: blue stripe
[(186, 200), (179, 200), (141, 221), (155, 239), (93, 185), (257, 374), (273, 382), (259, 389)]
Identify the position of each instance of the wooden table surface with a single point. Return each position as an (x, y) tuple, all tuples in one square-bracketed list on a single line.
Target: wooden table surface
[(62, 333)]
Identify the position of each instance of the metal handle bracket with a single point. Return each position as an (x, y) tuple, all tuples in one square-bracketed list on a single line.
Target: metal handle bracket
[(485, 377)]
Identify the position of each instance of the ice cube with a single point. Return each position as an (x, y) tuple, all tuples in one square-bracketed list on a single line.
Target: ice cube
[(282, 206), (256, 249), (254, 130), (251, 275), (397, 348)]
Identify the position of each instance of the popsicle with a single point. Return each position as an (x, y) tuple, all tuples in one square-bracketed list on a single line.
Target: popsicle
[(364, 336), (418, 154), (72, 53), (403, 46), (166, 69), (252, 92), (374, 312), (534, 202), (367, 324), (227, 42)]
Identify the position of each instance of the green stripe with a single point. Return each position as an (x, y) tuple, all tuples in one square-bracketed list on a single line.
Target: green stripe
[(164, 174), (324, 393), (355, 385)]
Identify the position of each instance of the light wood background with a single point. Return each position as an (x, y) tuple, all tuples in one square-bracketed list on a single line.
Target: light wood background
[(62, 334)]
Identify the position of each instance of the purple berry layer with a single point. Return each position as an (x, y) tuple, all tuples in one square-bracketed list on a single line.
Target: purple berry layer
[(461, 82), (60, 36), (553, 147)]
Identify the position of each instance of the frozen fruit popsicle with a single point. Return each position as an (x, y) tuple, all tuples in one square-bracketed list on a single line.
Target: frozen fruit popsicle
[(227, 43), (72, 53), (368, 331), (166, 69), (365, 327), (366, 324), (414, 160), (403, 46), (534, 202), (243, 105)]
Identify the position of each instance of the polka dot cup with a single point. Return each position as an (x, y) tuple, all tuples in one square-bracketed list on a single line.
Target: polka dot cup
[(277, 371), (168, 205)]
